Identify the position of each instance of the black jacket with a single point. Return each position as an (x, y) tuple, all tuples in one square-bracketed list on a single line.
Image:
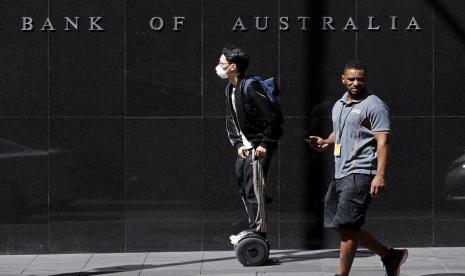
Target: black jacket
[(256, 117)]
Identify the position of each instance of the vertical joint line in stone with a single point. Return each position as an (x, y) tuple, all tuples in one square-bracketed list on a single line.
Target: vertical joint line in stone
[(202, 220), (48, 132), (278, 155), (124, 120), (356, 36), (202, 67), (433, 131), (201, 263)]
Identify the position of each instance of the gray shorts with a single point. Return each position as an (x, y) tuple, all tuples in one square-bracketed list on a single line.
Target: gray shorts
[(347, 201)]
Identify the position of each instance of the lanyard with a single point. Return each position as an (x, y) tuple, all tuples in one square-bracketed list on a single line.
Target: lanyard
[(341, 129)]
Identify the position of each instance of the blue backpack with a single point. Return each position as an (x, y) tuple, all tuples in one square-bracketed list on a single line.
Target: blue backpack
[(272, 92)]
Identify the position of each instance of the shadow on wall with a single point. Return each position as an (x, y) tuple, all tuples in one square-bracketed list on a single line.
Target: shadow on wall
[(454, 181), (452, 22), (317, 51)]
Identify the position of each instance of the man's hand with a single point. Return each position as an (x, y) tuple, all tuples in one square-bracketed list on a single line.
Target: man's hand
[(260, 152), (242, 152), (377, 186), (319, 144)]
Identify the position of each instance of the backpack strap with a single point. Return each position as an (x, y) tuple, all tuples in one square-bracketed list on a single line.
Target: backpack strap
[(268, 86), (247, 83)]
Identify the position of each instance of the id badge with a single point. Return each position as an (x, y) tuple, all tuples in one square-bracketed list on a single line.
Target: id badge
[(337, 150)]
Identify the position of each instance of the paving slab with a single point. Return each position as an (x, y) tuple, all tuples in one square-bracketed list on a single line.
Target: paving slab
[(16, 259), (421, 262), (11, 269), (62, 258), (166, 262), (115, 263)]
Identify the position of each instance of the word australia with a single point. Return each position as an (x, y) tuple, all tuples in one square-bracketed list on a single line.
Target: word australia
[(325, 23)]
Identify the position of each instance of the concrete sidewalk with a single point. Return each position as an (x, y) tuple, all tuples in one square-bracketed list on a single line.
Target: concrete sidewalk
[(421, 261)]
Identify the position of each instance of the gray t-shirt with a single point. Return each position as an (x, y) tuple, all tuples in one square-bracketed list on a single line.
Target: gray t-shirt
[(353, 126)]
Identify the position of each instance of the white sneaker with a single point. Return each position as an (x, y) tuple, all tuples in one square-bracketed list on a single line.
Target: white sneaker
[(236, 238)]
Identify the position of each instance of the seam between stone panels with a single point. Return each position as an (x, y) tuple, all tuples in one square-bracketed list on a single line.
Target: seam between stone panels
[(143, 264), (88, 261), (33, 260), (202, 186), (356, 34), (124, 120), (443, 265), (201, 263), (48, 132), (200, 117), (279, 148), (433, 136)]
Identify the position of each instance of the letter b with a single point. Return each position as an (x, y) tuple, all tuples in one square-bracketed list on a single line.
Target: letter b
[(27, 24)]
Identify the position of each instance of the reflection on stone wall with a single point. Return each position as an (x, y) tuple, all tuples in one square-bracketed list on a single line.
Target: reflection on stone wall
[(115, 141)]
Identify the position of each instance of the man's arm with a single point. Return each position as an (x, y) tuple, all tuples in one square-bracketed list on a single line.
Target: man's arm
[(382, 151), (330, 140)]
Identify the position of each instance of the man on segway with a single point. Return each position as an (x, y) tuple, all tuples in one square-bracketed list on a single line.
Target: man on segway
[(253, 124)]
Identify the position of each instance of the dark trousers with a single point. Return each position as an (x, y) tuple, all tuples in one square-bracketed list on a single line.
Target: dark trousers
[(252, 191)]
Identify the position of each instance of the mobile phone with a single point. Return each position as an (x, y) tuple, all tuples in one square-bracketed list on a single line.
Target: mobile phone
[(311, 142)]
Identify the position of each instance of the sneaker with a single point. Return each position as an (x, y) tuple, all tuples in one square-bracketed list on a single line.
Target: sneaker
[(393, 261), (236, 238)]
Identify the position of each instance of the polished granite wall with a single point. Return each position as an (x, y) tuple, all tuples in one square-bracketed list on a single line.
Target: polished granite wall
[(114, 141)]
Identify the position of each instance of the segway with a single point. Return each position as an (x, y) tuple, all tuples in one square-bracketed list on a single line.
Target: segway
[(251, 248)]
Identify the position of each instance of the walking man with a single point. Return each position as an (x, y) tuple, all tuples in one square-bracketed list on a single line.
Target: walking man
[(360, 137), (253, 128)]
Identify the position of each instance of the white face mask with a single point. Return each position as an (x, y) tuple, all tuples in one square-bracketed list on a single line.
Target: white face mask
[(221, 72)]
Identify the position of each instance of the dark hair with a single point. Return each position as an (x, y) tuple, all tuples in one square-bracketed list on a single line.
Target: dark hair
[(355, 64), (237, 56)]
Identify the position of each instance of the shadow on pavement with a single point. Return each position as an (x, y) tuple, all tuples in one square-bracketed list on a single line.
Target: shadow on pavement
[(445, 274), (288, 257)]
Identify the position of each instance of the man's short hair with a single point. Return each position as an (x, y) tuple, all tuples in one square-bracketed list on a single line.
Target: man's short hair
[(237, 56), (355, 64)]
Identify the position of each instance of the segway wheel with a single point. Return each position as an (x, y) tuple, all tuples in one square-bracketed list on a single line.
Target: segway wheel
[(252, 251)]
